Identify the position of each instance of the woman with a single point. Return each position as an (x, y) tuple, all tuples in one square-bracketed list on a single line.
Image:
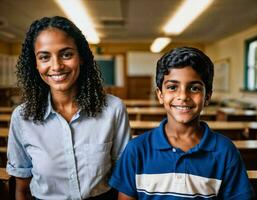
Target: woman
[(66, 135)]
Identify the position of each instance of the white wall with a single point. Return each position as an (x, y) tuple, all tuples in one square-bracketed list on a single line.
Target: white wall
[(232, 48), (143, 63)]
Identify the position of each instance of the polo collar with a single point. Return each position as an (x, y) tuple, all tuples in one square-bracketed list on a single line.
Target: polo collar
[(209, 139), (160, 141)]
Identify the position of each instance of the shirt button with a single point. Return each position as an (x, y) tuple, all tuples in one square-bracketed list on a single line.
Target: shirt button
[(72, 176), (178, 177), (173, 149)]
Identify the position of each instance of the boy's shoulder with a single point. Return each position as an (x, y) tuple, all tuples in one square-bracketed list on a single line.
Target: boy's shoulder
[(152, 139)]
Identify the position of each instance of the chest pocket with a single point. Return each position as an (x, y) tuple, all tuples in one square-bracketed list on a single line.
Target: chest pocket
[(99, 157)]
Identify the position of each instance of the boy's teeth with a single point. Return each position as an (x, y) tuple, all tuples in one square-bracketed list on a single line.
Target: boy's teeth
[(183, 107)]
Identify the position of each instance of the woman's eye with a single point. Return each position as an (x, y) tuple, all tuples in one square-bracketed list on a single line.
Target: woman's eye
[(43, 58), (67, 55)]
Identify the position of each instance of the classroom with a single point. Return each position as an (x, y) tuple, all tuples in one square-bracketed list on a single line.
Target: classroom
[(123, 48)]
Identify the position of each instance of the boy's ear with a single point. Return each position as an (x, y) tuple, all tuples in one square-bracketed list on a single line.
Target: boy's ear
[(159, 95), (207, 99)]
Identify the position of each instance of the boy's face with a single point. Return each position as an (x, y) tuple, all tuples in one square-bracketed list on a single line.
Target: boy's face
[(183, 95)]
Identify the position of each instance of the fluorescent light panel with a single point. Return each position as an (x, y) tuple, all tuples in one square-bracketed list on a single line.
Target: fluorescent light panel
[(159, 44), (186, 14), (76, 12)]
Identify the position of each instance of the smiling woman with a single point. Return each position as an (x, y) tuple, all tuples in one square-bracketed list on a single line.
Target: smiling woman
[(67, 134), (58, 61)]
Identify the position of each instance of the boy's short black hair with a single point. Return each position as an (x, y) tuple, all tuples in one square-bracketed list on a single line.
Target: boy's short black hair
[(182, 57)]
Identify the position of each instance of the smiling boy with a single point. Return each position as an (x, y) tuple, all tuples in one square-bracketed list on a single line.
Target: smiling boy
[(182, 158)]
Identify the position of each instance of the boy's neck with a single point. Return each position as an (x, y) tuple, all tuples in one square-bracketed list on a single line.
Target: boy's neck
[(184, 136)]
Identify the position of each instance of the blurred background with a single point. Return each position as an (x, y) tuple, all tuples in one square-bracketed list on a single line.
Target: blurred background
[(125, 30)]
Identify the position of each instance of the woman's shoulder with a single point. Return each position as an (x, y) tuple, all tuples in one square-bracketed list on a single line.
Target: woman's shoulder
[(113, 101), (17, 111)]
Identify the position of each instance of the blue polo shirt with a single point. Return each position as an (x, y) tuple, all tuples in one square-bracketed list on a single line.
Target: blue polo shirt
[(151, 168)]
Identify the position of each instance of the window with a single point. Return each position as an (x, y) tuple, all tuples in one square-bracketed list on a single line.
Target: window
[(251, 64)]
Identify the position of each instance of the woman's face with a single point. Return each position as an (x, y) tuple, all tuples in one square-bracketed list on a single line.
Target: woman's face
[(58, 61)]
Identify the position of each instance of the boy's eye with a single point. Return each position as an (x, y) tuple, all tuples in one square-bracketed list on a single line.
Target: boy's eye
[(196, 88), (172, 87)]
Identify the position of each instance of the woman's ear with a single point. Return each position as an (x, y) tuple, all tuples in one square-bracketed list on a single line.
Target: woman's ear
[(159, 95)]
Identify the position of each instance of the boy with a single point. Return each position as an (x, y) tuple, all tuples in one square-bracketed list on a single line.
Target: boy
[(182, 158)]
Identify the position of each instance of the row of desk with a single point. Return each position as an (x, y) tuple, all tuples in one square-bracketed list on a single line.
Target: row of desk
[(209, 114), (233, 130)]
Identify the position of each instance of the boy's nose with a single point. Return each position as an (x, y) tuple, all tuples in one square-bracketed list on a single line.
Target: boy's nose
[(183, 95)]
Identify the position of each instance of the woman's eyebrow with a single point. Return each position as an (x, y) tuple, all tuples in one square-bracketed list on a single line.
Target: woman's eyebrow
[(62, 50)]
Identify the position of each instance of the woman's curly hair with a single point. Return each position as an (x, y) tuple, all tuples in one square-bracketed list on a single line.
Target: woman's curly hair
[(90, 96)]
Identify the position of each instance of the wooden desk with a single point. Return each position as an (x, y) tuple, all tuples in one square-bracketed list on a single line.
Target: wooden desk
[(6, 110), (5, 120), (233, 130), (146, 113), (232, 114), (158, 113), (141, 103), (252, 130), (248, 151), (252, 174), (4, 132)]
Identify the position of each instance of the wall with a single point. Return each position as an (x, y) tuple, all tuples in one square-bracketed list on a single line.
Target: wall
[(143, 63), (232, 48)]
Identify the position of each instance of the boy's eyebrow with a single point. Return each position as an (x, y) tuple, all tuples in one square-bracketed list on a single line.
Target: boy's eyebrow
[(192, 82)]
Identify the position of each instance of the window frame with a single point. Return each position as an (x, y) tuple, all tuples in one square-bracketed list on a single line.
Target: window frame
[(246, 68)]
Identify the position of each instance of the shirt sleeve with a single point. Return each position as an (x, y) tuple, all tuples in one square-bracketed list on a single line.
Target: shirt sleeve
[(123, 177), (122, 131), (18, 161), (236, 184)]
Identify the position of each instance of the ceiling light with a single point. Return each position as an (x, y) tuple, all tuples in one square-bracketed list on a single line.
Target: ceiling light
[(7, 34), (159, 44), (76, 12), (185, 15)]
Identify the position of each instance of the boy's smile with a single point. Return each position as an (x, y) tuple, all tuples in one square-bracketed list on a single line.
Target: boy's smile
[(183, 95)]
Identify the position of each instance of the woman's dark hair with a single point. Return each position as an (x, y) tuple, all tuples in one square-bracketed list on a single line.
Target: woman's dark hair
[(182, 57), (90, 96)]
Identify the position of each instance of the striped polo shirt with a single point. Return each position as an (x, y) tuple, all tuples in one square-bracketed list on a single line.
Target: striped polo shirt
[(151, 168)]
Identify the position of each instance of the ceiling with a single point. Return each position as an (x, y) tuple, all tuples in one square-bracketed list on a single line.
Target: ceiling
[(134, 20)]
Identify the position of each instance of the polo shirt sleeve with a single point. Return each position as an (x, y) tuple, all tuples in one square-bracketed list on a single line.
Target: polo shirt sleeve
[(18, 161), (122, 131), (236, 184), (123, 177)]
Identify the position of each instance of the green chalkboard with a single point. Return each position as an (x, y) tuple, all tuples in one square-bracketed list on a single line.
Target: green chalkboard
[(107, 70)]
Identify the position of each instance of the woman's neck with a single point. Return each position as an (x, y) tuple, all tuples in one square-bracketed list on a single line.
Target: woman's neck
[(65, 104)]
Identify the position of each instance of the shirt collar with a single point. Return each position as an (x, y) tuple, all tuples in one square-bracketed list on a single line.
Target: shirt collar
[(208, 141), (159, 140), (49, 108)]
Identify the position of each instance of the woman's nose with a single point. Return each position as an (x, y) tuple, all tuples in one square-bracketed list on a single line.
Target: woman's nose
[(57, 64)]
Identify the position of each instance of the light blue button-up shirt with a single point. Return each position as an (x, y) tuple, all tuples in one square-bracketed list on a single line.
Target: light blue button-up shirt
[(68, 160)]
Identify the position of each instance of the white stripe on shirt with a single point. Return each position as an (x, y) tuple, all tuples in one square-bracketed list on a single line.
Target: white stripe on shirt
[(177, 184)]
